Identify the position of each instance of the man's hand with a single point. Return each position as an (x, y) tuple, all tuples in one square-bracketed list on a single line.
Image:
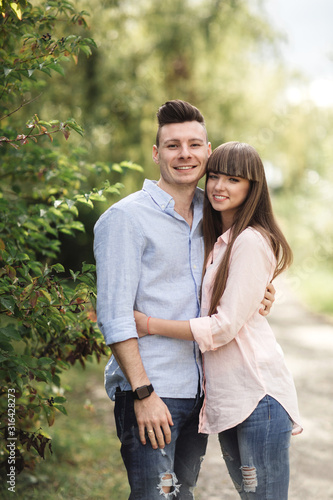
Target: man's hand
[(268, 300), (151, 413), (154, 417)]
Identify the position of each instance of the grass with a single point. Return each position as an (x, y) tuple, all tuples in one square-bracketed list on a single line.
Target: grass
[(86, 462)]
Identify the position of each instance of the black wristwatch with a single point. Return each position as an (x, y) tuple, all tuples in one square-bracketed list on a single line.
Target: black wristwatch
[(143, 392)]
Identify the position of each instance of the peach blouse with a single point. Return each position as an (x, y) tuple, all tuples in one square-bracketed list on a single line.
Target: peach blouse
[(242, 359)]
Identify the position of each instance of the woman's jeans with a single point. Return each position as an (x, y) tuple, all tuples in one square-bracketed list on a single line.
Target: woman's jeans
[(175, 467), (256, 452)]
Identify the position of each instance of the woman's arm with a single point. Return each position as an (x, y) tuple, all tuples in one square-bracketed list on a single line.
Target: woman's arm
[(248, 275), (147, 325), (251, 268)]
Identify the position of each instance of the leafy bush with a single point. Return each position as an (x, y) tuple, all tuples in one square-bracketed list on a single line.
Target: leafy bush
[(47, 316)]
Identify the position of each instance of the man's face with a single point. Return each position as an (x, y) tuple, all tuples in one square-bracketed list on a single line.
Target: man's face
[(182, 154)]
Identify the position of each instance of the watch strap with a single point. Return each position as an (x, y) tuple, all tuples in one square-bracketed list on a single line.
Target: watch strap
[(143, 392)]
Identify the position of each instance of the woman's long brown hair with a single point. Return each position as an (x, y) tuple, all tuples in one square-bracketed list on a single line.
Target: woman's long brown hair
[(242, 160)]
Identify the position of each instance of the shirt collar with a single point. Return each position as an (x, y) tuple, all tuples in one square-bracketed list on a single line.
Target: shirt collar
[(225, 237), (165, 200), (160, 197)]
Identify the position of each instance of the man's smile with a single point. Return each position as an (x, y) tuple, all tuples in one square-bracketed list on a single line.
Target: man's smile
[(186, 167)]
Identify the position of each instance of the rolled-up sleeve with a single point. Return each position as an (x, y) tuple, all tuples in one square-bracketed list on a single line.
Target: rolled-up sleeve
[(117, 247), (251, 267)]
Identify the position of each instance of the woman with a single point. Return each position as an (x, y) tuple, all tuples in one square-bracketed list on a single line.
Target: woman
[(250, 398)]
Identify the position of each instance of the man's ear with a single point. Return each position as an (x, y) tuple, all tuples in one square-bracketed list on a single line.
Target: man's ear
[(155, 155)]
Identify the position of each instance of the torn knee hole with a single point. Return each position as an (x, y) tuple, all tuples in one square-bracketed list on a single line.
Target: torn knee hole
[(168, 485), (249, 478)]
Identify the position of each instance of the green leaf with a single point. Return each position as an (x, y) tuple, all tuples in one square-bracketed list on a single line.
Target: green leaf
[(43, 375), (61, 408), (8, 303), (88, 267), (45, 69), (10, 332), (58, 268), (60, 399), (6, 346), (66, 230), (36, 267), (71, 123), (112, 189), (29, 361), (73, 274), (45, 361), (117, 168), (22, 256), (97, 197), (86, 50), (77, 225), (131, 166), (58, 68), (83, 199)]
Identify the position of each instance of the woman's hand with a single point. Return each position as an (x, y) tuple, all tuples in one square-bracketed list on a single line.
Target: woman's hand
[(141, 323), (268, 300)]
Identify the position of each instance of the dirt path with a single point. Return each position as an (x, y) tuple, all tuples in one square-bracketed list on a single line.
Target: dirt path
[(307, 341)]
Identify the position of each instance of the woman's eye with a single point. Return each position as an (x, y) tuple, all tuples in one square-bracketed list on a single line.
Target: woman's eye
[(233, 179)]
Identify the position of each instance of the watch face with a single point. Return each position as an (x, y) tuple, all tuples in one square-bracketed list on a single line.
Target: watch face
[(143, 392)]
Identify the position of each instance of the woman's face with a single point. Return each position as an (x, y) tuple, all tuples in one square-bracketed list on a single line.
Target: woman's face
[(226, 193)]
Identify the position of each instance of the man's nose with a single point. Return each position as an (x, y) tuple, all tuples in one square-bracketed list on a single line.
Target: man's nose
[(185, 151)]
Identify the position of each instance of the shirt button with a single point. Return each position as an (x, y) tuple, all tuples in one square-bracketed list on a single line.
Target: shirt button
[(194, 267), (163, 207)]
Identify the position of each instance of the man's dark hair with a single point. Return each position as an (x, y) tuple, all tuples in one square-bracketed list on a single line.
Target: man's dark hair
[(177, 111)]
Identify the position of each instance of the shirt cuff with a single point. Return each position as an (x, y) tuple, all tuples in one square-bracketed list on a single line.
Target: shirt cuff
[(202, 333), (118, 330)]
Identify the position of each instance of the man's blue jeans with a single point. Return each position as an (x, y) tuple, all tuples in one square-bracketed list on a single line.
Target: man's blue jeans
[(256, 452), (177, 465)]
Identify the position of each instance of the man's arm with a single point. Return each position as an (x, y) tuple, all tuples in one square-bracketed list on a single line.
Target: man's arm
[(181, 329), (151, 413), (118, 248), (268, 300)]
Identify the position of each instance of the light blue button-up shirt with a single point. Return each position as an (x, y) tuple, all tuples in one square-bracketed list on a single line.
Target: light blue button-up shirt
[(149, 259)]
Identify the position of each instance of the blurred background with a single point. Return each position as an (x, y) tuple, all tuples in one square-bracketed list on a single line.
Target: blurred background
[(260, 71)]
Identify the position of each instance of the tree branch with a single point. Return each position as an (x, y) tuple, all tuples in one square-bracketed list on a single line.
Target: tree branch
[(21, 106)]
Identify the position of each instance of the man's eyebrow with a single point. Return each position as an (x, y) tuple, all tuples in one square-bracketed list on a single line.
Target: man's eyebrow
[(179, 140)]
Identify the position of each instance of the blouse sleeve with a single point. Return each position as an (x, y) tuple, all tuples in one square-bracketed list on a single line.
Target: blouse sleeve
[(251, 268)]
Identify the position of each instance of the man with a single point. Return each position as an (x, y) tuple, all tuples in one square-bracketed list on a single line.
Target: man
[(149, 256)]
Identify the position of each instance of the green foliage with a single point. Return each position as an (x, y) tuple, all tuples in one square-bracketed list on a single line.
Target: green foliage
[(47, 315), (85, 463), (32, 41)]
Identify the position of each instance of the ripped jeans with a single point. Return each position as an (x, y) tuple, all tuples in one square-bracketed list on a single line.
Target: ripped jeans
[(150, 472), (256, 452)]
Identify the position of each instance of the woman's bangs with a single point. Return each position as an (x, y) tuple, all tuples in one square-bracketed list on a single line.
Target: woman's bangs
[(236, 168), (236, 159)]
